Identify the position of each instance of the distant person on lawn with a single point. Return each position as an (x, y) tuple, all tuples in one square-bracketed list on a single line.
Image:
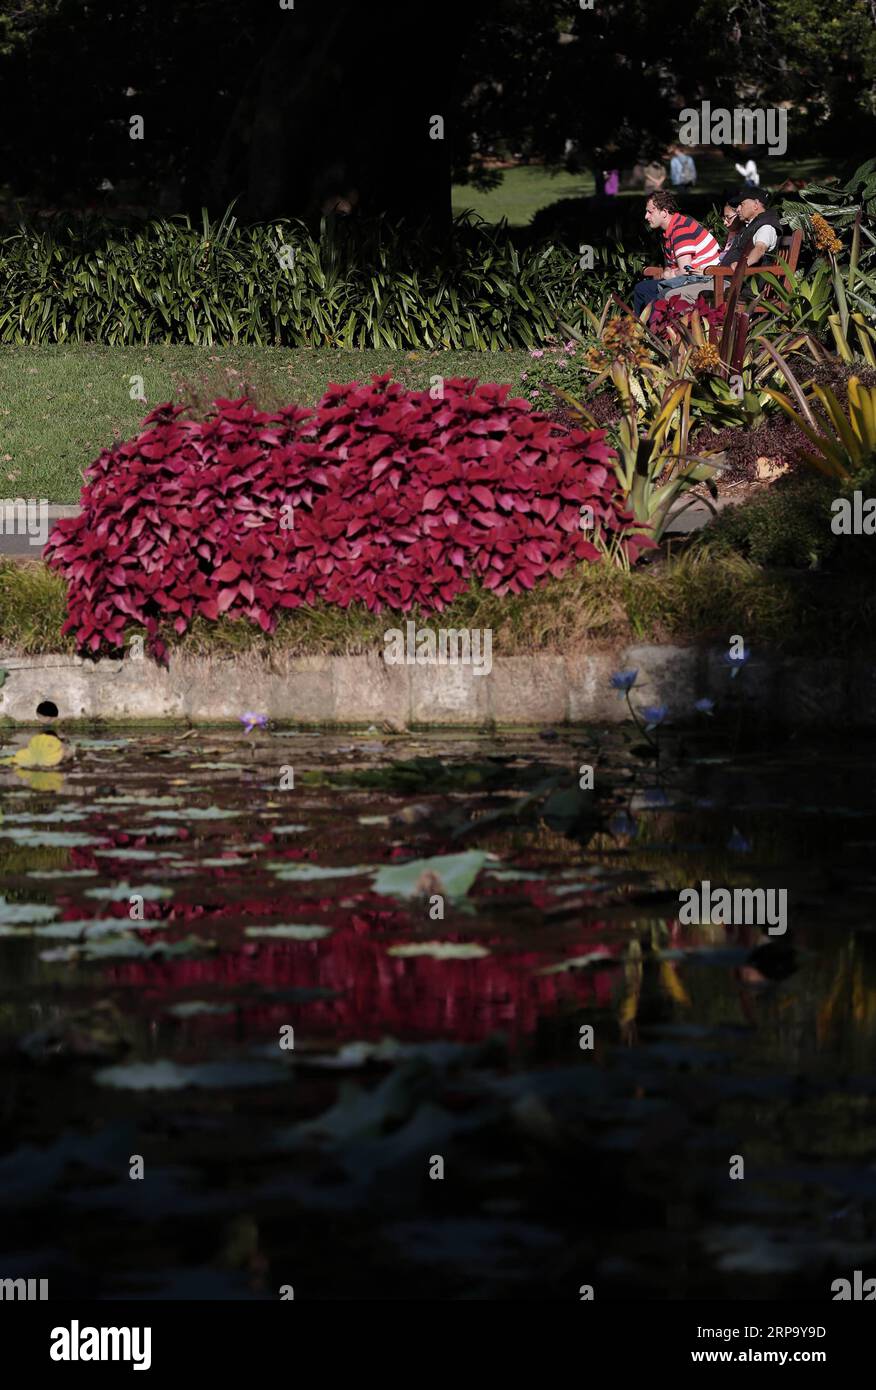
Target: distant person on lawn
[(682, 170), (655, 176), (748, 170), (688, 248)]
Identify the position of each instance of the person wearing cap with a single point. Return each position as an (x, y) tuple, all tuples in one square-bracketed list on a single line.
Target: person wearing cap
[(762, 229)]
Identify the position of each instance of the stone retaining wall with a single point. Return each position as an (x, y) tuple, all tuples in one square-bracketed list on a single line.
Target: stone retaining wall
[(522, 690)]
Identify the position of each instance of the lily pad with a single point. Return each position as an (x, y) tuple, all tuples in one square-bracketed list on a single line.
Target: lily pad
[(579, 962), (294, 931), (62, 873), (85, 929), (50, 839), (449, 874), (292, 872), (92, 744), (21, 914), (197, 813), (164, 1075), (149, 892), (137, 801), (43, 750), (441, 950), (197, 1008), (140, 855)]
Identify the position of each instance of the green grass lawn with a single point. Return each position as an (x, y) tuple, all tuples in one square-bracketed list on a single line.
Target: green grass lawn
[(526, 189), (522, 192), (59, 406)]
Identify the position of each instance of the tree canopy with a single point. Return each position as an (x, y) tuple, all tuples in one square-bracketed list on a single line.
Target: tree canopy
[(290, 109)]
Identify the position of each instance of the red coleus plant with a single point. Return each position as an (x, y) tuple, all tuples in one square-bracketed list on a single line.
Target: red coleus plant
[(380, 495), (668, 313)]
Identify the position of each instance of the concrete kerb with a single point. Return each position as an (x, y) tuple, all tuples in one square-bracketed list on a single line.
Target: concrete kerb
[(362, 690)]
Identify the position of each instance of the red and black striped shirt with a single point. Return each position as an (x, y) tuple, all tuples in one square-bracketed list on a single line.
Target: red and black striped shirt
[(686, 240)]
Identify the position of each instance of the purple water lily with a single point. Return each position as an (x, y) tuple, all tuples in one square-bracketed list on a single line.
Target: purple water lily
[(254, 721), (624, 680), (736, 661), (654, 715), (705, 706)]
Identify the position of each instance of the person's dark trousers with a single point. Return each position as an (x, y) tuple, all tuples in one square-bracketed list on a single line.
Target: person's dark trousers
[(645, 293)]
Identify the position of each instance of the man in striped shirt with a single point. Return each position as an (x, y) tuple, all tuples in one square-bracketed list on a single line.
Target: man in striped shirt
[(688, 247)]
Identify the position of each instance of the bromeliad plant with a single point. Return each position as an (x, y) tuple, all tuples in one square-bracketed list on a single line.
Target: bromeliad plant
[(844, 443), (654, 465)]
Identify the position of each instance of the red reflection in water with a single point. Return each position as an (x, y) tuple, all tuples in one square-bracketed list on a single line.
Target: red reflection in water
[(378, 993)]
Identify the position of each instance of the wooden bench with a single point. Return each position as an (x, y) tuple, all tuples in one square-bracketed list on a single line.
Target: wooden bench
[(788, 248)]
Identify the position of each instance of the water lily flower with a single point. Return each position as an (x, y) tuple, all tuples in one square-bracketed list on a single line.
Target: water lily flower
[(254, 721), (654, 715), (736, 661), (624, 680), (704, 706)]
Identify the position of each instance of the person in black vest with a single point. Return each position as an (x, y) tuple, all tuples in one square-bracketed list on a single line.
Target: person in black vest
[(735, 231), (762, 229)]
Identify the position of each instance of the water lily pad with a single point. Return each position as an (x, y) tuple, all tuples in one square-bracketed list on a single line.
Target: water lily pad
[(579, 962), (198, 1008), (231, 861), (54, 839), (441, 950), (137, 801), (47, 818), (130, 948), (144, 855), (294, 931), (164, 1075), (449, 874), (85, 929), (515, 875), (293, 872), (289, 829), (149, 892), (197, 813), (62, 873), (21, 914), (220, 767), (92, 744), (43, 750)]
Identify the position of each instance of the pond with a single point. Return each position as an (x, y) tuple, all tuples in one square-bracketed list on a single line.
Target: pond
[(362, 1015)]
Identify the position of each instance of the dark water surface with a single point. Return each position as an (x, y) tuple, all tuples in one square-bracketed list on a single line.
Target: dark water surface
[(269, 907)]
